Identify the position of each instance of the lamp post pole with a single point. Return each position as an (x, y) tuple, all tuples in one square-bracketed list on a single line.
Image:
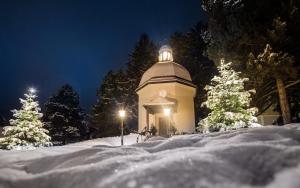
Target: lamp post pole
[(122, 132), (167, 112), (169, 119), (122, 114)]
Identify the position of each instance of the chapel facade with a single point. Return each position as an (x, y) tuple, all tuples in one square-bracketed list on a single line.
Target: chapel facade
[(166, 97)]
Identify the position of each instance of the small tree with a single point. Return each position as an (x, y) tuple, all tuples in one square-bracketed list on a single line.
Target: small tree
[(228, 101), (26, 128)]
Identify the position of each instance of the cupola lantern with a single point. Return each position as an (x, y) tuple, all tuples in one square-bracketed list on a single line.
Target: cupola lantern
[(165, 54)]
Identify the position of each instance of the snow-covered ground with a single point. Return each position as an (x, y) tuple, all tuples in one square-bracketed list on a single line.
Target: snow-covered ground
[(258, 157)]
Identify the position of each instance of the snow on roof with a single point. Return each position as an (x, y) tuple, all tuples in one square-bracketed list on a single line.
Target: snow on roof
[(165, 72)]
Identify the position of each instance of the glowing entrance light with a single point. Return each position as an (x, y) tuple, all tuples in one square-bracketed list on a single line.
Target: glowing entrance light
[(165, 54), (167, 111)]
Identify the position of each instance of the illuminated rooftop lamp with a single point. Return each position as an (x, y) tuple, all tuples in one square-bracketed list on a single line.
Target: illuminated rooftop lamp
[(165, 54)]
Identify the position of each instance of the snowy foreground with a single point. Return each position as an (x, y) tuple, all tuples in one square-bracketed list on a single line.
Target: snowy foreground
[(258, 157)]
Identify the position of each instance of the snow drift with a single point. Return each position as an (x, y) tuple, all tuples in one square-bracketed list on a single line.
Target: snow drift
[(258, 157)]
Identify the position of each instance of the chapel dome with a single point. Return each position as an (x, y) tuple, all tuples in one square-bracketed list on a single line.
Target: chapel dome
[(165, 70)]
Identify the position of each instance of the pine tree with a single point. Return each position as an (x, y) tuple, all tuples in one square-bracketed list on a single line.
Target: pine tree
[(2, 121), (141, 59), (189, 50), (228, 101), (237, 28), (64, 117), (278, 65), (118, 91), (112, 96), (101, 111), (26, 128)]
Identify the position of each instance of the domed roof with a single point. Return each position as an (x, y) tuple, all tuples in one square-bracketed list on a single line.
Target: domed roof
[(162, 72), (165, 70)]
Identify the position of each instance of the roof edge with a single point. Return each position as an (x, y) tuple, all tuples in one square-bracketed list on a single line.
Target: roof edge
[(174, 79)]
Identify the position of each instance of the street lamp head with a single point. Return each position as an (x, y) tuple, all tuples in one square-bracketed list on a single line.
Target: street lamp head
[(167, 111), (122, 113)]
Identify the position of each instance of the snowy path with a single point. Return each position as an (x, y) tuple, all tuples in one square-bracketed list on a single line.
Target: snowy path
[(260, 157)]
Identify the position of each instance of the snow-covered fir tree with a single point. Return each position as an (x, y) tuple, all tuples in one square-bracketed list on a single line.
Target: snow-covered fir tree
[(26, 130), (143, 56), (64, 118), (228, 101)]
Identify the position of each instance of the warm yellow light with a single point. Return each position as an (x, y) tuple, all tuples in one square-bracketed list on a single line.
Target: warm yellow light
[(122, 113), (167, 111), (169, 56), (165, 54)]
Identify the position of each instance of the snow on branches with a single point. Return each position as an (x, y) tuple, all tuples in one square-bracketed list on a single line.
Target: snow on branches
[(26, 130), (228, 101)]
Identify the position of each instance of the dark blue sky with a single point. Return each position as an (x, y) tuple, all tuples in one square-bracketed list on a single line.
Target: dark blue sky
[(46, 44)]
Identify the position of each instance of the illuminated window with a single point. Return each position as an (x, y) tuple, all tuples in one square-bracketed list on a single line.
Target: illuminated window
[(165, 54)]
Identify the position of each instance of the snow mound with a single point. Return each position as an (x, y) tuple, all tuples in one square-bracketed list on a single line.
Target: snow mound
[(261, 157)]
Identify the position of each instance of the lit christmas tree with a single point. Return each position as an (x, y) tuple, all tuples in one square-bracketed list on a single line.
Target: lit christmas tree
[(26, 130), (228, 101)]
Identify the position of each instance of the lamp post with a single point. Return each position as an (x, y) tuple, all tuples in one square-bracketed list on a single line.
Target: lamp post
[(122, 114), (167, 112)]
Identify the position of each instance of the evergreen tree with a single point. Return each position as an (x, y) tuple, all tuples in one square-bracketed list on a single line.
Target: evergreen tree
[(189, 50), (141, 59), (2, 121), (278, 65), (64, 117), (228, 101), (110, 98), (117, 91), (237, 28), (26, 128)]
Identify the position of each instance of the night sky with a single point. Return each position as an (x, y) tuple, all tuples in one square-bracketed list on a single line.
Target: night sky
[(46, 44)]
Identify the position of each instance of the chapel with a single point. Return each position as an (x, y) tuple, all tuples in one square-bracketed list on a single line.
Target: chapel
[(166, 97)]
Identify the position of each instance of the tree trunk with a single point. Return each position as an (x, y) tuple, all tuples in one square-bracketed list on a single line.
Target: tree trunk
[(284, 104), (64, 137)]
